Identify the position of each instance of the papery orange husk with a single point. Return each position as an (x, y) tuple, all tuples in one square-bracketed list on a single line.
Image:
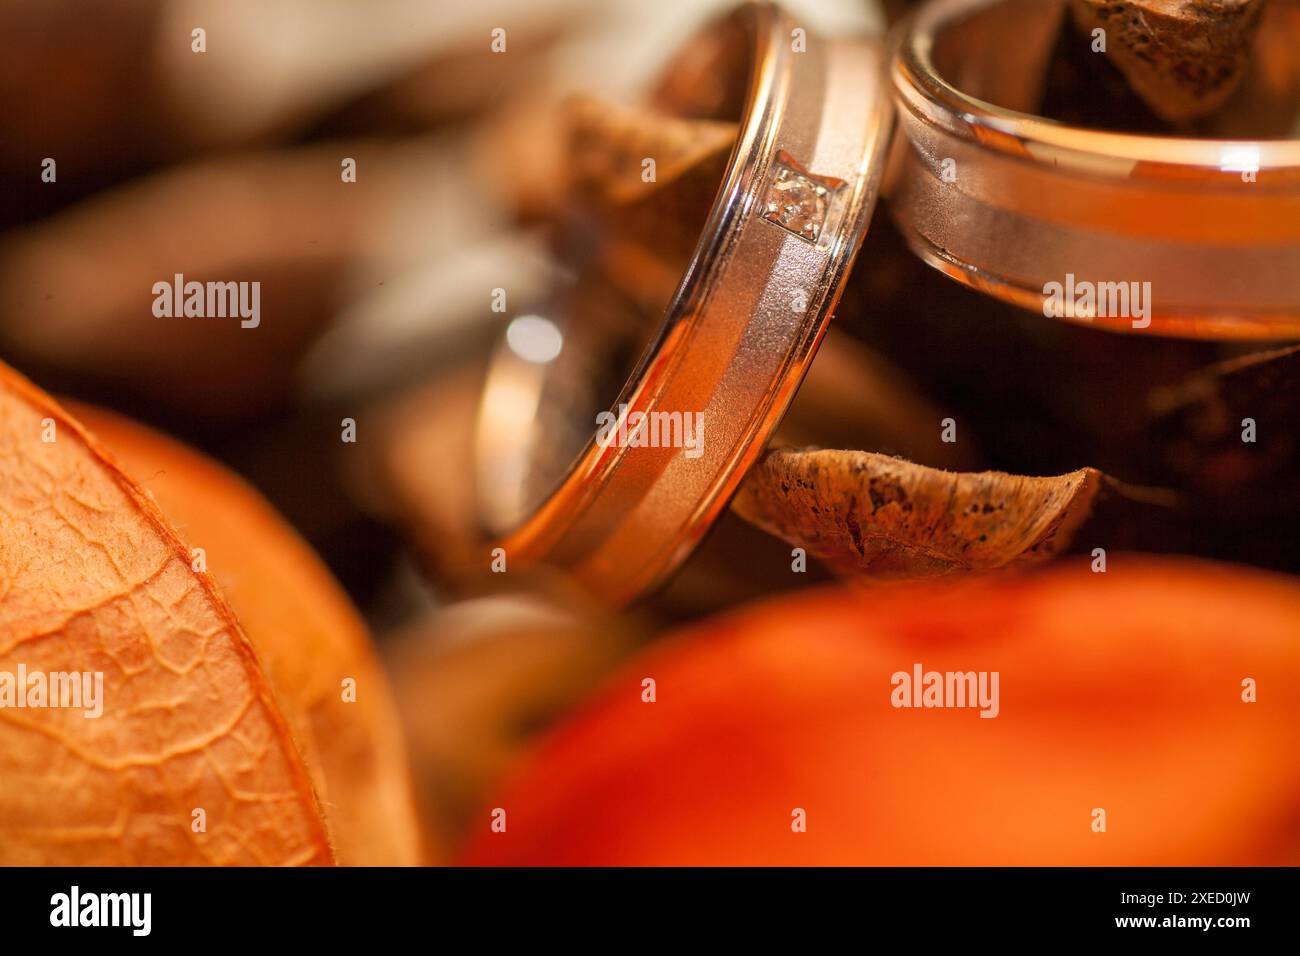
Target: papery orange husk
[(198, 756), (308, 636)]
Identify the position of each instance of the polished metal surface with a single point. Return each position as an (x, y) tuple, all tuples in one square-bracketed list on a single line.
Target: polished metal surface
[(741, 329), (1212, 224)]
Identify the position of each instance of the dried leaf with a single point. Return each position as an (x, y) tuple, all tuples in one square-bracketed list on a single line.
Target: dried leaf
[(610, 144), (650, 227), (865, 513), (1185, 58), (307, 635), (93, 579), (1227, 434)]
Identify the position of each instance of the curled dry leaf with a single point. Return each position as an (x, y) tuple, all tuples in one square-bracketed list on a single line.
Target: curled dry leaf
[(1199, 429), (865, 513), (650, 227), (1185, 58), (610, 144), (197, 756)]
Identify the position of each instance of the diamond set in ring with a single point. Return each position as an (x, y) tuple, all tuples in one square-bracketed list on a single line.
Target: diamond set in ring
[(798, 200)]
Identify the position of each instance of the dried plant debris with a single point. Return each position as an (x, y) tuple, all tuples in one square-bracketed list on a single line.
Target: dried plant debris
[(647, 180), (1184, 58), (1228, 435), (612, 147), (869, 514)]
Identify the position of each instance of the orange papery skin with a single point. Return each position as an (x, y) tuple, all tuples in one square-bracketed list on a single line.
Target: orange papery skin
[(308, 637)]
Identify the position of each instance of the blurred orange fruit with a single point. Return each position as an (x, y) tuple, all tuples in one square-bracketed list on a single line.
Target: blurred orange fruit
[(1122, 699)]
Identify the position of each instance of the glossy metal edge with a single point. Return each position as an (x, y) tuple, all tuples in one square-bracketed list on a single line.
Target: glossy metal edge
[(1080, 178), (595, 526), (930, 97)]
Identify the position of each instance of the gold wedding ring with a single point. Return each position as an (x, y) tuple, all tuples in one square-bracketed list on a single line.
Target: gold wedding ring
[(741, 329), (1004, 201), (1009, 203)]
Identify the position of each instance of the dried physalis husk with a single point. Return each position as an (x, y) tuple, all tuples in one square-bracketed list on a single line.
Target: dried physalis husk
[(869, 514), (220, 739), (312, 643), (1185, 58)]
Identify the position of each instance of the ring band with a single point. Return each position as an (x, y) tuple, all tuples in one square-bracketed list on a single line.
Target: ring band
[(1212, 225), (742, 327)]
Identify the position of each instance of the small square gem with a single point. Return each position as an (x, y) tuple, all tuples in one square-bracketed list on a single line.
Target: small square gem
[(797, 200)]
